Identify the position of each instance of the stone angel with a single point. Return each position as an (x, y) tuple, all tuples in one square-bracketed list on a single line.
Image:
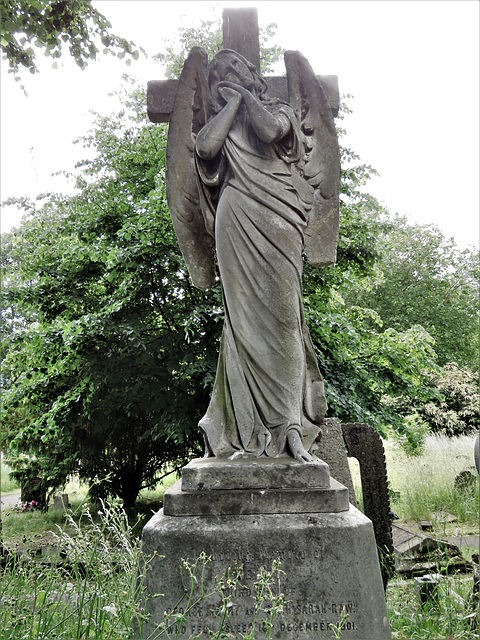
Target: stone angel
[(255, 180)]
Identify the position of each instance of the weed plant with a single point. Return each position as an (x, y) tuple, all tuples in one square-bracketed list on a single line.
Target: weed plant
[(446, 616), (87, 589)]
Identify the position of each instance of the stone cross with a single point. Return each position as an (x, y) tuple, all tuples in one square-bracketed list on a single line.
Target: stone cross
[(240, 33)]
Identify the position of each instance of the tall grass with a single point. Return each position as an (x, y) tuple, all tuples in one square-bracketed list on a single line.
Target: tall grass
[(447, 616), (426, 483), (87, 589)]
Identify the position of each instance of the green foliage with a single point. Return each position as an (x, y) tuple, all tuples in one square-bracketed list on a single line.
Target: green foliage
[(422, 278), (443, 618), (119, 350), (366, 368), (457, 409), (52, 24), (209, 36), (412, 439)]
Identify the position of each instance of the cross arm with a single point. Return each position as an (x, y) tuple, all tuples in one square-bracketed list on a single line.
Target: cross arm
[(161, 94)]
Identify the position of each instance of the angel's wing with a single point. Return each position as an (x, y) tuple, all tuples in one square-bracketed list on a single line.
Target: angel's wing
[(320, 166), (186, 119)]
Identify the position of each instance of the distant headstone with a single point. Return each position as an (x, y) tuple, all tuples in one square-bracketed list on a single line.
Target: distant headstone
[(417, 554), (334, 452), (427, 588), (60, 501), (465, 481)]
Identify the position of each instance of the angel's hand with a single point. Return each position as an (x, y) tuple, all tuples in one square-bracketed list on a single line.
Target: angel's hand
[(229, 94)]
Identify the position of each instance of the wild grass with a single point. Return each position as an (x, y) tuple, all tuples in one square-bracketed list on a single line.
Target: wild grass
[(426, 483), (91, 590), (423, 486), (447, 616)]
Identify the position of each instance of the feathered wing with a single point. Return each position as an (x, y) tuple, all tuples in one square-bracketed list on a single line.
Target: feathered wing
[(187, 118), (319, 169)]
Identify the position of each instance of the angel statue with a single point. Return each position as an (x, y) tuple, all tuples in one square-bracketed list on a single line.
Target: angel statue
[(255, 180)]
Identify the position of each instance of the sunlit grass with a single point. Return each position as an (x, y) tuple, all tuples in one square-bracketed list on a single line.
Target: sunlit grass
[(426, 483)]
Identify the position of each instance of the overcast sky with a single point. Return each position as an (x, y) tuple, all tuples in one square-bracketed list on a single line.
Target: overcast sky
[(412, 68)]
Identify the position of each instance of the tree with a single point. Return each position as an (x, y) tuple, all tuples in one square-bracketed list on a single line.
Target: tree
[(116, 353), (423, 279), (51, 24), (209, 35), (457, 409)]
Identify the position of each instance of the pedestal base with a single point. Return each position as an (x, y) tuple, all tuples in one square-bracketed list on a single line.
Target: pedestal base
[(329, 559)]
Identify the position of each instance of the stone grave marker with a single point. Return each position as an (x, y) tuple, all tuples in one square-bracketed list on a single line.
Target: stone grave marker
[(253, 176)]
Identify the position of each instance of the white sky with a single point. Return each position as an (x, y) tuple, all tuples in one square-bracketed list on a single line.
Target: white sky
[(412, 67)]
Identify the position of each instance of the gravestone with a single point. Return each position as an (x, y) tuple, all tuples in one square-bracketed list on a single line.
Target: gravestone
[(260, 496), (361, 441), (60, 501), (465, 482)]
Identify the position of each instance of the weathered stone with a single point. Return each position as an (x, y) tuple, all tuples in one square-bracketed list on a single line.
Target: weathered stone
[(203, 474), (465, 481), (252, 501), (417, 554), (161, 94), (427, 588), (329, 560), (240, 33), (333, 451), (364, 444), (60, 501)]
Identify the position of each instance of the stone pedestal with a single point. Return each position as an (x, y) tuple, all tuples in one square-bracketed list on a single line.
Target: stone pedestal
[(326, 548)]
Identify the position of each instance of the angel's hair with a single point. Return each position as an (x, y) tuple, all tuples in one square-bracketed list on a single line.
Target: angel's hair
[(214, 75)]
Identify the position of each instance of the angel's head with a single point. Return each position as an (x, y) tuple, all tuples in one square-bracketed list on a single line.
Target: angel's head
[(230, 65)]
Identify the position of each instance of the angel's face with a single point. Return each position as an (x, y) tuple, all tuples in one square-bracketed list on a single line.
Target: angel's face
[(237, 71)]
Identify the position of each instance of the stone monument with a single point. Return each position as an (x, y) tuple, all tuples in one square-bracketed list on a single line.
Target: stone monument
[(253, 176)]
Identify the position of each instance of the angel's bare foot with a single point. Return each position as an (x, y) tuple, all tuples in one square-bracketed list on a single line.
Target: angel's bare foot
[(297, 449)]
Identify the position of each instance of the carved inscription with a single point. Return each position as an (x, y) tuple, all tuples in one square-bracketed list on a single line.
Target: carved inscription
[(297, 615)]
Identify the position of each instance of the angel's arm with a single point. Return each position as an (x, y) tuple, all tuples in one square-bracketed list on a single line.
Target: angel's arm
[(211, 138), (269, 127)]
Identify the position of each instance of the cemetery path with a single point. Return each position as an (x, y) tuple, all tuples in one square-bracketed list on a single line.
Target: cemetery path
[(10, 499)]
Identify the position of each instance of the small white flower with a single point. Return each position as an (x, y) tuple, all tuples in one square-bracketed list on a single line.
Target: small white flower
[(110, 608)]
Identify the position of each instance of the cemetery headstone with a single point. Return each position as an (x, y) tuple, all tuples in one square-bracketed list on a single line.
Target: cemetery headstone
[(252, 181), (465, 481), (60, 501)]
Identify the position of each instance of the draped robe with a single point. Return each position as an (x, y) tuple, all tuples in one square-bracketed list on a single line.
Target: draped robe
[(267, 379)]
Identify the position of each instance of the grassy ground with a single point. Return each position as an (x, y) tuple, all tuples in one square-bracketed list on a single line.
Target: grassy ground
[(105, 600)]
